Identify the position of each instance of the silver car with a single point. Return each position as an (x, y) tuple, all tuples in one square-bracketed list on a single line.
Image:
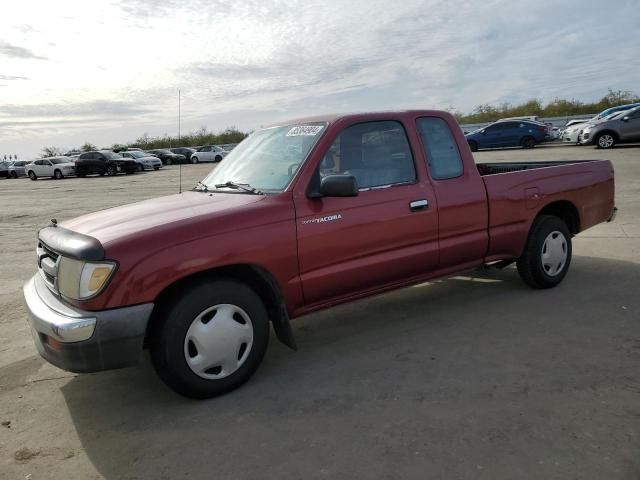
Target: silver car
[(622, 128), (16, 169), (208, 153), (143, 160)]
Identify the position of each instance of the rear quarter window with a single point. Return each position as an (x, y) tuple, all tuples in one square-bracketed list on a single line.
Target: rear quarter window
[(443, 156)]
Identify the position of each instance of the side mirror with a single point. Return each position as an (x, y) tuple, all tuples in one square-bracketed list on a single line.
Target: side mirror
[(338, 186)]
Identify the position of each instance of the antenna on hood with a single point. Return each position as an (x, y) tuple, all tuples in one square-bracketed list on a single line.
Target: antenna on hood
[(180, 164)]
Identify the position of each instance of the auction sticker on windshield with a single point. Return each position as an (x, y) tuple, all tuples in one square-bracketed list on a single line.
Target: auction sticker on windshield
[(304, 130)]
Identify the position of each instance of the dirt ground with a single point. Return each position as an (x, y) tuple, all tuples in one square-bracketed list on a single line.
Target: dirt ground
[(472, 377)]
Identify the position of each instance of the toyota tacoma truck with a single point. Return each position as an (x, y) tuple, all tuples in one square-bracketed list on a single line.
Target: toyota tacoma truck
[(301, 216)]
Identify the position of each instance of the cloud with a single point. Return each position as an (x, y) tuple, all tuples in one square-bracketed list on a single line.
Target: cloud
[(102, 108), (13, 51), (12, 77)]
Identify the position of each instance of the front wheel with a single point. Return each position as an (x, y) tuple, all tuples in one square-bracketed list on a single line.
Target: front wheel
[(209, 339), (547, 254), (528, 142), (57, 175), (218, 158), (139, 167), (605, 140), (32, 175), (111, 171), (194, 160), (14, 175)]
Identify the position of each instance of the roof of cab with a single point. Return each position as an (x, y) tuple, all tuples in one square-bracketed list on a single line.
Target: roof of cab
[(334, 117)]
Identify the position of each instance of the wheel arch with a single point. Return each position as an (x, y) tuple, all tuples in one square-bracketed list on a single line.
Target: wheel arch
[(613, 133), (259, 279), (565, 211)]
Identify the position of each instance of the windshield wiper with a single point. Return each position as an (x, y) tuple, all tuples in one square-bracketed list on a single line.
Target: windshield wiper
[(240, 186), (200, 187)]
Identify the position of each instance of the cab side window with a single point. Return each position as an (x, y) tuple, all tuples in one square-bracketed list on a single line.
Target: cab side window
[(377, 154), (443, 156)]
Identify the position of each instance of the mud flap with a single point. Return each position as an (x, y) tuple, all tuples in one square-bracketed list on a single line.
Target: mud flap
[(283, 329)]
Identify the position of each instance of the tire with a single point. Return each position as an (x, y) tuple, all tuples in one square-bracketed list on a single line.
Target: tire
[(139, 167), (473, 145), (169, 161), (180, 335), (528, 142), (194, 160), (549, 237), (111, 171), (32, 175), (14, 175), (57, 174), (217, 159), (605, 140)]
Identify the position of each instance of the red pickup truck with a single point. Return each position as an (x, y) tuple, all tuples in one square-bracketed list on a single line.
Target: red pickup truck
[(301, 216)]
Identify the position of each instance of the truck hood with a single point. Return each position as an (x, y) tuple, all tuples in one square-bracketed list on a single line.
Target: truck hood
[(157, 214)]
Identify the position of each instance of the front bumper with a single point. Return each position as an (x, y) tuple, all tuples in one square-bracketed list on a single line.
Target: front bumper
[(83, 341)]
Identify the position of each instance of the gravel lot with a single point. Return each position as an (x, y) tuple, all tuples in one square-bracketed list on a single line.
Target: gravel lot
[(472, 377)]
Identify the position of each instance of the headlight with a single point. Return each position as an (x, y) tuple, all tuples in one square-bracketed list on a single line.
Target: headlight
[(81, 280)]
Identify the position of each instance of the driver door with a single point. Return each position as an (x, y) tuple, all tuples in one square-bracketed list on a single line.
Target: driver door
[(386, 234)]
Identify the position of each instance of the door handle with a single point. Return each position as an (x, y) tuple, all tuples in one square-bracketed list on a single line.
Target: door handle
[(417, 205)]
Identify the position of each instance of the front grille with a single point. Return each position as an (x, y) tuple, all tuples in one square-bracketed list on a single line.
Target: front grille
[(48, 261)]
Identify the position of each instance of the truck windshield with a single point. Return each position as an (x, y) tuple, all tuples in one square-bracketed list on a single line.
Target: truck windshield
[(268, 158)]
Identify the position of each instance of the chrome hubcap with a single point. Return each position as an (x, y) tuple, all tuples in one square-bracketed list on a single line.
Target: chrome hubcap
[(554, 253), (218, 341), (606, 141)]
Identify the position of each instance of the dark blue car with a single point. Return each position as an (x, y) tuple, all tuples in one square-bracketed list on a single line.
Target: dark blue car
[(509, 133)]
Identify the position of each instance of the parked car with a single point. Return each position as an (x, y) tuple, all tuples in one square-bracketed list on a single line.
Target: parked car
[(620, 127), (508, 133), (104, 162), (16, 169), (229, 146), (4, 169), (609, 111), (143, 160), (167, 156), (355, 212), (186, 151), (56, 167), (208, 153)]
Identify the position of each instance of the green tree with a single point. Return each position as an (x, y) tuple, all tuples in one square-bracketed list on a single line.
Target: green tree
[(50, 152)]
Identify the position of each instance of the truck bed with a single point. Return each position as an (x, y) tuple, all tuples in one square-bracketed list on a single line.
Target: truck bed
[(504, 167), (517, 191)]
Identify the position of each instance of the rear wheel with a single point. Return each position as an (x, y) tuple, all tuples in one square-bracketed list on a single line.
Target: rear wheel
[(547, 255), (605, 140), (169, 161), (473, 145), (57, 174), (528, 142), (210, 339), (14, 174), (32, 175)]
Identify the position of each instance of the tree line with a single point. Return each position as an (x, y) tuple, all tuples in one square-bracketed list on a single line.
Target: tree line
[(146, 142), (555, 108)]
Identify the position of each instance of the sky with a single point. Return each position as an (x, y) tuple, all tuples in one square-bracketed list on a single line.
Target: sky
[(109, 71)]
